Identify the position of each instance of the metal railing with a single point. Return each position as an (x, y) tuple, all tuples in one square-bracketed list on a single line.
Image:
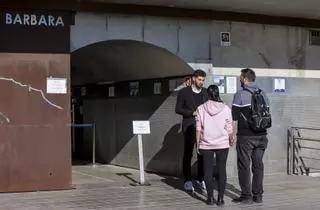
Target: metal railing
[(298, 156)]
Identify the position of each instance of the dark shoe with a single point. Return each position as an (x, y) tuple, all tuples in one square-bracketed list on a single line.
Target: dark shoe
[(210, 201), (257, 199), (220, 202), (242, 200)]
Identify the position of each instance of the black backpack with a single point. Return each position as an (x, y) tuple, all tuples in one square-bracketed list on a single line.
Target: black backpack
[(260, 117)]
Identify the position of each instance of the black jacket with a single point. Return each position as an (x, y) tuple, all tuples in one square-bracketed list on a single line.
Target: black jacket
[(186, 105)]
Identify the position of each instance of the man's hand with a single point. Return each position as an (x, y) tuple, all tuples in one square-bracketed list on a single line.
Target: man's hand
[(195, 113), (234, 135), (198, 150), (232, 140)]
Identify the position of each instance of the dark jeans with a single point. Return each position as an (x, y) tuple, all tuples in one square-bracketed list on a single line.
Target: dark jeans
[(189, 144), (220, 172), (251, 148)]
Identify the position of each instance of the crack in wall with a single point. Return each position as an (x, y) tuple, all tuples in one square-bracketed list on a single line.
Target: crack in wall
[(30, 88), (298, 59), (265, 59), (4, 117)]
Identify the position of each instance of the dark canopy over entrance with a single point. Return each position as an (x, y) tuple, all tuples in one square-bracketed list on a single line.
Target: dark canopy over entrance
[(121, 60)]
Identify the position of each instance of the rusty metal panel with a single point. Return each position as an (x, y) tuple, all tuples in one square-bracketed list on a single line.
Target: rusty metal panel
[(35, 138)]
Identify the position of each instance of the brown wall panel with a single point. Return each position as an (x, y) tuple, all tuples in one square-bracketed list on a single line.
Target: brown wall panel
[(35, 147)]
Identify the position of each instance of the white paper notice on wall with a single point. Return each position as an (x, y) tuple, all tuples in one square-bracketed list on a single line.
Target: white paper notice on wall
[(56, 85), (225, 39), (231, 85), (157, 88), (220, 82), (111, 91), (141, 127), (279, 85)]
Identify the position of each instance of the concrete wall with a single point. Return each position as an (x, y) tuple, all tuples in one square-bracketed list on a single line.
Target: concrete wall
[(197, 41), (257, 46)]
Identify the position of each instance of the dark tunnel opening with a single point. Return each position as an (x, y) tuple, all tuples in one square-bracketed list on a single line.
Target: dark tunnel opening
[(113, 83)]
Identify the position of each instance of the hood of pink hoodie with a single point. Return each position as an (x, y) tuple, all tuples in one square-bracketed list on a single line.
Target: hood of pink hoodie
[(213, 107)]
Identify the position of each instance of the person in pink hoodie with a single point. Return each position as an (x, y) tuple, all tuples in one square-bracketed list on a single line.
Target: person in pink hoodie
[(214, 137)]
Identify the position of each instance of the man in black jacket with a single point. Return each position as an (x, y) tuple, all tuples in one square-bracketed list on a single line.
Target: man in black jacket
[(189, 98)]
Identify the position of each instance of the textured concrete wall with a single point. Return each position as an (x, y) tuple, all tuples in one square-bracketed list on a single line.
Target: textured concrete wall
[(197, 41), (257, 46)]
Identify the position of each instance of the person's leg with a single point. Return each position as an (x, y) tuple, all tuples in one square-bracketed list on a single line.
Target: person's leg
[(208, 169), (221, 158), (200, 172), (200, 168), (187, 157), (244, 151), (258, 168)]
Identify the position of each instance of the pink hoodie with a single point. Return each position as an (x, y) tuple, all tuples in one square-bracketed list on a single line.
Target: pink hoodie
[(214, 120)]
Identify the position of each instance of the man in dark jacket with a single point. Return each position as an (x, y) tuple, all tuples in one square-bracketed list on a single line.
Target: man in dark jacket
[(189, 98)]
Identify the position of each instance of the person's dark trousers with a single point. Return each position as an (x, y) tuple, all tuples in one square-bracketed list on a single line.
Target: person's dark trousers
[(221, 172), (251, 148), (189, 145)]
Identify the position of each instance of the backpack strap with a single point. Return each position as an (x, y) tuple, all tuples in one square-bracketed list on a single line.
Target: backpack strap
[(250, 91), (258, 91)]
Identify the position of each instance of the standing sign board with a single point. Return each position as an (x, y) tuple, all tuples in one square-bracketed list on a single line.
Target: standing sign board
[(139, 128)]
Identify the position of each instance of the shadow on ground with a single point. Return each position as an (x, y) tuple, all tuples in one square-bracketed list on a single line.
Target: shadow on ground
[(177, 183)]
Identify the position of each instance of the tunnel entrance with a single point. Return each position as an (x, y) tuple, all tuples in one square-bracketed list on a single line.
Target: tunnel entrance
[(113, 83)]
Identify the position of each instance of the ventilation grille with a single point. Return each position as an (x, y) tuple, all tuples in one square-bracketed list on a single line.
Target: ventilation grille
[(314, 37)]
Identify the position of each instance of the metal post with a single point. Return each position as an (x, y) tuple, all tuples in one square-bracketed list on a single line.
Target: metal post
[(294, 155), (73, 131), (288, 152), (141, 164), (93, 144)]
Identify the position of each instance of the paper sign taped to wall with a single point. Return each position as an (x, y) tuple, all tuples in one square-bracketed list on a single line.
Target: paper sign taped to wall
[(225, 39), (157, 88), (220, 82), (231, 85), (56, 85), (111, 91), (279, 85)]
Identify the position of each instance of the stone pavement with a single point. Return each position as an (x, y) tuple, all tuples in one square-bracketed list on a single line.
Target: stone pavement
[(108, 187)]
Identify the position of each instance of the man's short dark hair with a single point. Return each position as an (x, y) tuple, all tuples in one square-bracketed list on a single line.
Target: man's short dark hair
[(199, 73), (249, 74)]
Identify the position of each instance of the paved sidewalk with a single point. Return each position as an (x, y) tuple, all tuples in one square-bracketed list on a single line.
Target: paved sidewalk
[(108, 187)]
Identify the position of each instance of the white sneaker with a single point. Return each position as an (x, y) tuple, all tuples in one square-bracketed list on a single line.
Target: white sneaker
[(188, 186), (201, 186)]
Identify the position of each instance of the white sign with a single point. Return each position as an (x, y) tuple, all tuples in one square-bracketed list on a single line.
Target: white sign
[(141, 127), (111, 91), (279, 85), (231, 85), (220, 82), (157, 88), (34, 20), (57, 85), (225, 39)]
